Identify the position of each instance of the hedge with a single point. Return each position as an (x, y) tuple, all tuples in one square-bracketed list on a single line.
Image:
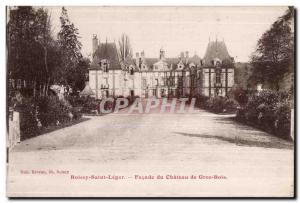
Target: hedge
[(268, 110), (42, 112)]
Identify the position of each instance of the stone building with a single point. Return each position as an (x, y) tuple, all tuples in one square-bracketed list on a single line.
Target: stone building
[(162, 76), (218, 70)]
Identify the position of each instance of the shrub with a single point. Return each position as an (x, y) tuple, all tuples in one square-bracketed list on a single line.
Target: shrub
[(76, 101), (282, 119), (76, 111), (269, 111), (90, 105), (42, 112), (230, 105), (215, 104), (218, 104), (51, 110), (239, 94), (201, 101)]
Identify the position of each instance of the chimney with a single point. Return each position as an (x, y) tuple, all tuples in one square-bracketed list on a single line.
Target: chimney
[(137, 59), (143, 54), (95, 43), (142, 57), (162, 54), (182, 55), (186, 57)]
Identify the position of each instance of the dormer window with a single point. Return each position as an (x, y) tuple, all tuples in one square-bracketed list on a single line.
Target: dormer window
[(131, 71), (217, 62), (140, 63), (201, 62), (104, 65)]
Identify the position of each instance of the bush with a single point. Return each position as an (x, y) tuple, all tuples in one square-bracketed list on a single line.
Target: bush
[(76, 101), (282, 119), (217, 104), (239, 95), (90, 105), (230, 105), (51, 110), (76, 111), (201, 101), (42, 112), (269, 111)]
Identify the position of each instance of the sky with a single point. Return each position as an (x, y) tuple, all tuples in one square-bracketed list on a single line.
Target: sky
[(175, 29)]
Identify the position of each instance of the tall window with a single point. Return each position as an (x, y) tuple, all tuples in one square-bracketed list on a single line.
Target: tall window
[(162, 81), (180, 81), (218, 75)]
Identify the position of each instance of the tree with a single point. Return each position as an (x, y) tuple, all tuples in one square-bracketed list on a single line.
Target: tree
[(275, 50), (21, 43), (44, 39), (70, 47), (125, 50), (79, 75), (28, 39)]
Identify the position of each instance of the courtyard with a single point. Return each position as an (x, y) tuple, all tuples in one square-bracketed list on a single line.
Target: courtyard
[(128, 149)]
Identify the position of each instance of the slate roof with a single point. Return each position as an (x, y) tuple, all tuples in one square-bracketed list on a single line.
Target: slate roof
[(150, 61), (216, 49), (195, 59), (173, 61), (106, 51), (109, 51)]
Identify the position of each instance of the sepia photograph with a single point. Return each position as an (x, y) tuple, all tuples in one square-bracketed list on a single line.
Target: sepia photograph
[(150, 101)]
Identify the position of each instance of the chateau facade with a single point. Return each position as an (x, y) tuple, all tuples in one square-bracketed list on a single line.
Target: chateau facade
[(160, 77)]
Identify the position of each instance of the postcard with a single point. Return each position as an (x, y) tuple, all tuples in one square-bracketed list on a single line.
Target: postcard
[(150, 101)]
